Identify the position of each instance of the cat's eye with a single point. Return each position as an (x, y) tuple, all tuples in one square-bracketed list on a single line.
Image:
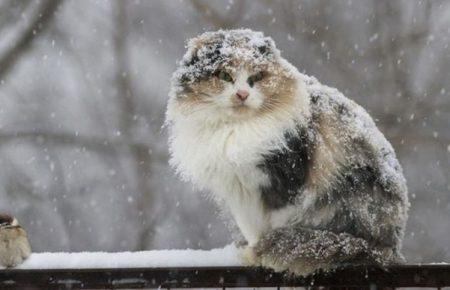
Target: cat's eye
[(223, 75), (255, 78)]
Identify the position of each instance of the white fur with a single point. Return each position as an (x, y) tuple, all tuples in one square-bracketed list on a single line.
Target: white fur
[(220, 154)]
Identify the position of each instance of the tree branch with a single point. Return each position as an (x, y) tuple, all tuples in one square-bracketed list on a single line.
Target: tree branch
[(93, 143), (40, 22), (215, 18), (127, 101)]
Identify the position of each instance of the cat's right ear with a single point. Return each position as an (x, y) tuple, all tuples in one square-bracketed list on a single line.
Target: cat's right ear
[(191, 56), (189, 62)]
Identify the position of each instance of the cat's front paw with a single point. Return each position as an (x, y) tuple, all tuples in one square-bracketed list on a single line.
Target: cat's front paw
[(14, 245), (249, 256)]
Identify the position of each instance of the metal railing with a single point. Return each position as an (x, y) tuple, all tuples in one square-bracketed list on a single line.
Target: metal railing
[(436, 276)]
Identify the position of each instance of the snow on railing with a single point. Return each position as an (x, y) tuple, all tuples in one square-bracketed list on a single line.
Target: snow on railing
[(219, 268), (228, 256)]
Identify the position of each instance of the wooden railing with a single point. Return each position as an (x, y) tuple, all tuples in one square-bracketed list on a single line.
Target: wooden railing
[(436, 276)]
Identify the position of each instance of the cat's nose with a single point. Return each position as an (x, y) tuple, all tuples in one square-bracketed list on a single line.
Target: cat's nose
[(242, 95)]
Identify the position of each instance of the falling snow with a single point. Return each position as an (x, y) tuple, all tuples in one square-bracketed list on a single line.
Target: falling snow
[(76, 167)]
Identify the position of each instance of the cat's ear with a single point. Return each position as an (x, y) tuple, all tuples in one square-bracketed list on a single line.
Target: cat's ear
[(191, 56), (203, 47), (189, 61), (266, 48), (201, 58)]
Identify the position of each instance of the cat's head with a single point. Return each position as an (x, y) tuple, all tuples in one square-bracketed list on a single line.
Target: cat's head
[(232, 76)]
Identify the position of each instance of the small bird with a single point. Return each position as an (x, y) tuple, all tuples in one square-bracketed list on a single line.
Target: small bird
[(14, 245), (309, 180)]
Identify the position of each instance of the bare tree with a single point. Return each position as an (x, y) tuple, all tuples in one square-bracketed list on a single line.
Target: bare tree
[(231, 19), (104, 66), (140, 154), (41, 19)]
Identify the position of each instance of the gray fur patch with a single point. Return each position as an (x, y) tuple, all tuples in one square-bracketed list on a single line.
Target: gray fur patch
[(287, 169)]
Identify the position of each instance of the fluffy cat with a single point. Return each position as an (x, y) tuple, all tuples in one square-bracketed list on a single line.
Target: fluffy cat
[(309, 180)]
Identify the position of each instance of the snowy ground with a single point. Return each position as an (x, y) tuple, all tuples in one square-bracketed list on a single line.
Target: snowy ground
[(228, 256)]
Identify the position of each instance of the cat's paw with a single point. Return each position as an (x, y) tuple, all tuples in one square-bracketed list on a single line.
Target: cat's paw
[(249, 256)]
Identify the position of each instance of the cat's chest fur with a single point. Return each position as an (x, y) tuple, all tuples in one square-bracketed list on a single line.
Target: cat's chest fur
[(226, 160), (213, 157)]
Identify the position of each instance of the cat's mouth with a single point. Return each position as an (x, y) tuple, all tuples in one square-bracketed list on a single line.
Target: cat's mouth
[(242, 110), (240, 107)]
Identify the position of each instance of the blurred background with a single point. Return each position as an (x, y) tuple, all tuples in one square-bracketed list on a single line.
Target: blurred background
[(83, 88)]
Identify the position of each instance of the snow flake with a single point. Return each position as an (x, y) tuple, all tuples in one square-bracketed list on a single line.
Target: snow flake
[(373, 37)]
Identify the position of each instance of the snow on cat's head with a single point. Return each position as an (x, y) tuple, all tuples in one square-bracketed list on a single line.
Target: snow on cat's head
[(231, 75)]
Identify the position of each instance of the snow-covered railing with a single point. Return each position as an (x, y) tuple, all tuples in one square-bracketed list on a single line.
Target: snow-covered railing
[(218, 268), (436, 276)]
